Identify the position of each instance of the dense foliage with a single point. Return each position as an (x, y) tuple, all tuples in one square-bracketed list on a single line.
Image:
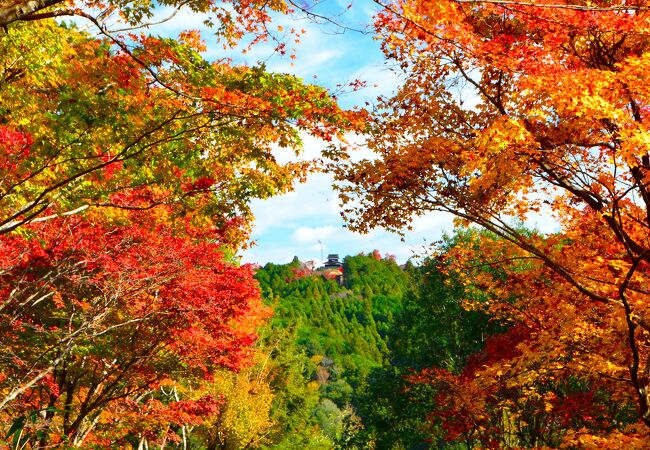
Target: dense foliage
[(337, 335), (511, 110), (418, 357), (354, 346), (127, 165)]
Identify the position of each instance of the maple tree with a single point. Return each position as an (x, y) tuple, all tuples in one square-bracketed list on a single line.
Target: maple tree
[(95, 317), (510, 109), (127, 164), (83, 121), (232, 19)]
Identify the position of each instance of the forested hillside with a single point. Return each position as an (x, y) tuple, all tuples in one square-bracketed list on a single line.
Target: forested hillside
[(345, 350), (394, 358), (338, 334)]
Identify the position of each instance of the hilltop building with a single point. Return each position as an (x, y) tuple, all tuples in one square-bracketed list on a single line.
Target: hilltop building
[(333, 268), (333, 261)]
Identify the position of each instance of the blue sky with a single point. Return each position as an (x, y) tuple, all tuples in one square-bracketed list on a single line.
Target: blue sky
[(307, 221)]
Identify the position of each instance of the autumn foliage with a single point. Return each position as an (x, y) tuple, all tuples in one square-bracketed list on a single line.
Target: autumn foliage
[(104, 118), (127, 165), (110, 314), (509, 111)]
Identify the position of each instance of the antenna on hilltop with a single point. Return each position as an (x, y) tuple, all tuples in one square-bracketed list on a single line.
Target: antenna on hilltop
[(321, 251)]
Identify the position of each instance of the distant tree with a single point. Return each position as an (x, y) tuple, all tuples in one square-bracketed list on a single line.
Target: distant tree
[(430, 328)]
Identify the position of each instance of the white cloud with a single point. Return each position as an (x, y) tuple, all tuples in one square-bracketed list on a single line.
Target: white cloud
[(309, 235), (292, 224), (314, 201)]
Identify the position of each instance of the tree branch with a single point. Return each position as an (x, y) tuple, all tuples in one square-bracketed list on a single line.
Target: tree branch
[(22, 10)]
